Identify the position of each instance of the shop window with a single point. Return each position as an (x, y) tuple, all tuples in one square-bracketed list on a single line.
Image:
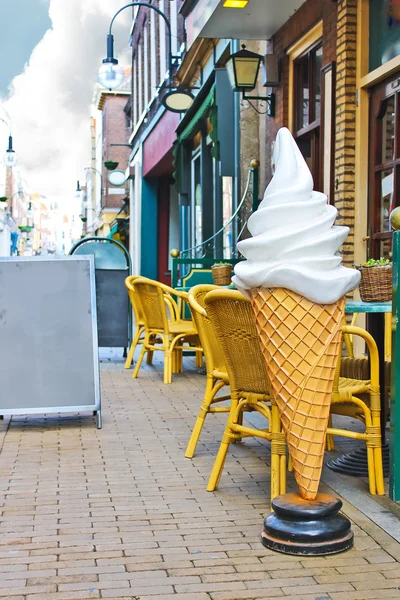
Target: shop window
[(384, 192), (384, 32), (307, 108)]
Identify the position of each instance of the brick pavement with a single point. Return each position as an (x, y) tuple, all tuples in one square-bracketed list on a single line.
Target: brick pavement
[(120, 513)]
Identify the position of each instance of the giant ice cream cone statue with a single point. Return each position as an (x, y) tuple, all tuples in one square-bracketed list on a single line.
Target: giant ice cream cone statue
[(297, 285)]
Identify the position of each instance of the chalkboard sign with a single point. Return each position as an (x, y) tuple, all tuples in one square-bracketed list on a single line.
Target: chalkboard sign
[(48, 336)]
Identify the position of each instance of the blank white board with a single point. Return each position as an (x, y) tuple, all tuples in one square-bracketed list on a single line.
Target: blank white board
[(48, 335)]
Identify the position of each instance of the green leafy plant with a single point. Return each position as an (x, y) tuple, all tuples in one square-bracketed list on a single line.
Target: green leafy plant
[(222, 264), (381, 262)]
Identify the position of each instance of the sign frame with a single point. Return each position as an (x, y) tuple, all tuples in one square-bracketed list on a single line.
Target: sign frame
[(94, 407)]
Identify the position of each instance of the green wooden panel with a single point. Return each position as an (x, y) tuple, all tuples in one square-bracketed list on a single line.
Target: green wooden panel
[(197, 277), (149, 228), (197, 263), (357, 306), (394, 476)]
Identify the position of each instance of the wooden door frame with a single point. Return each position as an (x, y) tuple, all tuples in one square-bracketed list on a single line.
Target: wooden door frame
[(379, 96)]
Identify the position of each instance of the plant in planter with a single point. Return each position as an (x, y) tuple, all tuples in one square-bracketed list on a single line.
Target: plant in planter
[(222, 273), (3, 198), (376, 280)]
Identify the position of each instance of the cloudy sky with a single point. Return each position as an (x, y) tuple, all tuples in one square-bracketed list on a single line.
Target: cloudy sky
[(50, 51)]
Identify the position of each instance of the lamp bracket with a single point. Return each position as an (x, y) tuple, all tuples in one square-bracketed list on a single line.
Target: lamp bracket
[(269, 99)]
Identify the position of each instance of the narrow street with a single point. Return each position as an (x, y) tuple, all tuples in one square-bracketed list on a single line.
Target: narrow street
[(120, 513)]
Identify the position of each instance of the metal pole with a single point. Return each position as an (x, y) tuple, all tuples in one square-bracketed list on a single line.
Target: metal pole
[(167, 23), (255, 172)]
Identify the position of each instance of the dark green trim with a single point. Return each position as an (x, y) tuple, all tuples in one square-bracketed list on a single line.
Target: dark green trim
[(394, 476), (149, 229)]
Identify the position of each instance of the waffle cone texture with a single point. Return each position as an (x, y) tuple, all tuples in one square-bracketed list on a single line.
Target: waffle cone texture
[(301, 343)]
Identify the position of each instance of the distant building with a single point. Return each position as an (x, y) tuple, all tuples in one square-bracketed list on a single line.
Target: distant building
[(107, 204)]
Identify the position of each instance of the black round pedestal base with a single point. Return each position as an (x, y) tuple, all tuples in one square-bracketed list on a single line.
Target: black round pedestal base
[(355, 462), (307, 527)]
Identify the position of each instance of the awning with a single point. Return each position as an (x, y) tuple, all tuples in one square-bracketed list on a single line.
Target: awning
[(259, 20), (113, 230)]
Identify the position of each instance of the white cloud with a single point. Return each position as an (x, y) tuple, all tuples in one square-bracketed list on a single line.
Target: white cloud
[(49, 103)]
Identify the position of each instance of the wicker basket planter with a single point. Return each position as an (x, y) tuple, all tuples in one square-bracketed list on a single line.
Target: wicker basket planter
[(222, 274), (376, 283)]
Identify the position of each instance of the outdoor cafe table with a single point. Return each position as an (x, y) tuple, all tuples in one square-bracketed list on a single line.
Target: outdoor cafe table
[(376, 326)]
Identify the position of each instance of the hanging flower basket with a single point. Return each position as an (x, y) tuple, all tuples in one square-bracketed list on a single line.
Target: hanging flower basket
[(222, 273), (376, 281)]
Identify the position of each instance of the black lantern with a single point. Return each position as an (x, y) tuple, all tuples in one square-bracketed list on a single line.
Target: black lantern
[(243, 68)]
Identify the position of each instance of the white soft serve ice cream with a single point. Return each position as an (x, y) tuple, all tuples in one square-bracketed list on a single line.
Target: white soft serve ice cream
[(294, 243)]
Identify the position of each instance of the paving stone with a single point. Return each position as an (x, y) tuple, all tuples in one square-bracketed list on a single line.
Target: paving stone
[(121, 513)]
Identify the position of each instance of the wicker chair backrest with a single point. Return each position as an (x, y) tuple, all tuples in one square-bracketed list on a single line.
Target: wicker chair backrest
[(151, 298), (137, 309), (234, 325), (211, 347)]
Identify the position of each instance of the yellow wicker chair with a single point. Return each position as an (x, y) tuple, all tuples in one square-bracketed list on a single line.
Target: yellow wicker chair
[(138, 336), (217, 376), (234, 325), (359, 398), (153, 298)]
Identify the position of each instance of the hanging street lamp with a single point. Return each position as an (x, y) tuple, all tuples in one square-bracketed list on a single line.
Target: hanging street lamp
[(10, 156), (111, 75), (243, 68)]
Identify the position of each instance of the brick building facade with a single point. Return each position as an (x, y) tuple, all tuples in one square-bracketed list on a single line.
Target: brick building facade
[(335, 59), (154, 225), (108, 204)]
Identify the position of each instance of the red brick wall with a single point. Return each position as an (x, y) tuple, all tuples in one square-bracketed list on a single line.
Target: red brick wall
[(142, 21), (310, 13), (116, 130)]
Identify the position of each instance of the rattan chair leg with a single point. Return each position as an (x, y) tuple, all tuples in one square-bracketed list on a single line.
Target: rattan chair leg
[(278, 446), (371, 470), (199, 359), (380, 484), (140, 359), (227, 438), (129, 358), (282, 473), (174, 366), (209, 395), (275, 472), (218, 467), (179, 362), (168, 367), (149, 357), (330, 443), (239, 421)]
